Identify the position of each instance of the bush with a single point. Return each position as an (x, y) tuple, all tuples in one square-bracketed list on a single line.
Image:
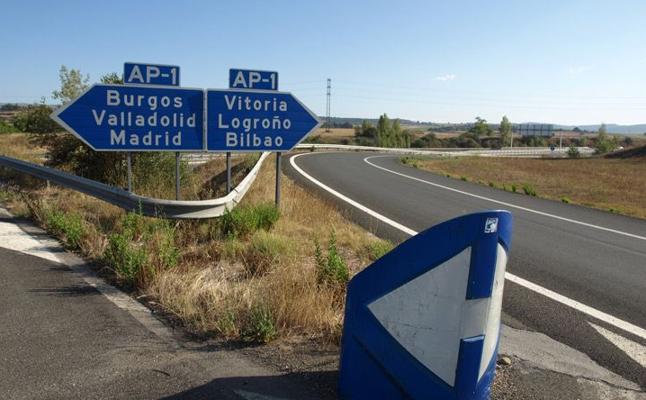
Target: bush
[(529, 190), (69, 226), (410, 161), (573, 152), (331, 269), (261, 326), (243, 221), (565, 200), (35, 119), (7, 128), (263, 252), (513, 188), (379, 248), (143, 246)]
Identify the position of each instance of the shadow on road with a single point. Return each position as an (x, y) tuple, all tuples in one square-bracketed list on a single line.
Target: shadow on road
[(304, 385)]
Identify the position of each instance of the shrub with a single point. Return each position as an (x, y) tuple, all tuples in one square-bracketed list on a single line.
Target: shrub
[(264, 251), (573, 152), (68, 225), (529, 189), (143, 246), (243, 221), (464, 178), (35, 119), (331, 269), (7, 128), (565, 200), (491, 184), (261, 326), (410, 161), (379, 248), (513, 188)]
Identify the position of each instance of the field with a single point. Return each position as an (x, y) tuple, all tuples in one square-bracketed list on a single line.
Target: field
[(616, 185), (257, 274)]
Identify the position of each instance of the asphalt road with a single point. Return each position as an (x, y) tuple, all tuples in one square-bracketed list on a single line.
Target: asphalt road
[(595, 258)]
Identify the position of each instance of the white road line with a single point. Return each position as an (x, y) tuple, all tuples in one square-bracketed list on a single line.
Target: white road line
[(504, 203), (600, 315), (632, 349)]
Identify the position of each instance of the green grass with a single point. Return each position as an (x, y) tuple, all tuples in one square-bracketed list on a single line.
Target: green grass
[(264, 251), (242, 221), (332, 268), (69, 226)]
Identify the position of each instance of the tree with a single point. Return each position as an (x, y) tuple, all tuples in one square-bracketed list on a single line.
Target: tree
[(73, 83), (505, 131), (35, 119), (604, 143), (481, 128)]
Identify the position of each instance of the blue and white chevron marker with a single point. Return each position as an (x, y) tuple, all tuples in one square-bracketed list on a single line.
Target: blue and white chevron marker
[(423, 322)]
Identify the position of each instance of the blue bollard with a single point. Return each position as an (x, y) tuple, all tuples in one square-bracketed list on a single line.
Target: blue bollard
[(423, 322)]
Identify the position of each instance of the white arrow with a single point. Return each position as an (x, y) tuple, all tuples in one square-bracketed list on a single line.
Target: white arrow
[(632, 349), (430, 315)]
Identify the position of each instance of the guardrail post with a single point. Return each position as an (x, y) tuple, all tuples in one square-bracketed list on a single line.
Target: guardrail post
[(129, 157), (177, 175), (228, 172), (278, 156)]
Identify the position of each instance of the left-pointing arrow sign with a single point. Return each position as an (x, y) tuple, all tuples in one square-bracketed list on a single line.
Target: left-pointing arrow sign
[(136, 118)]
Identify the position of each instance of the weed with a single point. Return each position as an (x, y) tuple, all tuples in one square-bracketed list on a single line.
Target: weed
[(529, 189), (410, 161), (566, 200), (464, 178), (331, 269), (69, 226), (379, 248), (513, 188), (243, 221), (261, 326), (264, 251), (127, 259), (491, 184)]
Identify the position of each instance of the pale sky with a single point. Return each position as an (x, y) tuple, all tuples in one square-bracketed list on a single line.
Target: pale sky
[(568, 62)]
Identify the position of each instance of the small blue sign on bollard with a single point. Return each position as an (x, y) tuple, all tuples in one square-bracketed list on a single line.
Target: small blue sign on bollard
[(423, 322)]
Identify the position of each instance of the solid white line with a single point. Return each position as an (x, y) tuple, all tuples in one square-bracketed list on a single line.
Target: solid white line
[(504, 203), (600, 315), (632, 349)]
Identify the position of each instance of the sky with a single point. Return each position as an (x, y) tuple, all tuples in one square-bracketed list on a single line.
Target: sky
[(566, 62)]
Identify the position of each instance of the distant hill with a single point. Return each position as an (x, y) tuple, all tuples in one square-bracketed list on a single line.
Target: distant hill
[(637, 129)]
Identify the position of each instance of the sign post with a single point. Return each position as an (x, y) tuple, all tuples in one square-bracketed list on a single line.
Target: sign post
[(228, 172), (277, 197), (177, 175), (129, 157), (423, 322)]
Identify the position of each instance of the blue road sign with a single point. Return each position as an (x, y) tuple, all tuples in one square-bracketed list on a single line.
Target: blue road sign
[(136, 118), (150, 74), (247, 120), (423, 322), (250, 79)]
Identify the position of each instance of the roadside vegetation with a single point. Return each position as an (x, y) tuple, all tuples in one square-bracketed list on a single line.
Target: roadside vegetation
[(609, 183)]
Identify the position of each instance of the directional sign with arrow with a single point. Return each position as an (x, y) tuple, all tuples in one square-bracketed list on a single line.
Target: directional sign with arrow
[(254, 120), (423, 322), (136, 118)]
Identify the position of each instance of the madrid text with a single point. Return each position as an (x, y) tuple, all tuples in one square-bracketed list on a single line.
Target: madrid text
[(153, 122)]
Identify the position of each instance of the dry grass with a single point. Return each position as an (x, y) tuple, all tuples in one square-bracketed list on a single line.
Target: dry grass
[(608, 184), (254, 287), (18, 145)]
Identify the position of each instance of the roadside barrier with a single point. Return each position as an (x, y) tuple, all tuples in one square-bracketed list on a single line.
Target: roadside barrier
[(174, 209)]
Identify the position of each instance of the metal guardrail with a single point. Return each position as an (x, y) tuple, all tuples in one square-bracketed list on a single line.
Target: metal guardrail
[(453, 152), (174, 209)]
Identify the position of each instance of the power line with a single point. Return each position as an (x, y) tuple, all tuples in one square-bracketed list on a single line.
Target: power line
[(327, 108)]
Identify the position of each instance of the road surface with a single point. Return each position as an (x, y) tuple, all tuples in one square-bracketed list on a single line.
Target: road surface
[(575, 274)]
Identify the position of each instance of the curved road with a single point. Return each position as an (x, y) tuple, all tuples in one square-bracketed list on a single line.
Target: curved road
[(575, 274)]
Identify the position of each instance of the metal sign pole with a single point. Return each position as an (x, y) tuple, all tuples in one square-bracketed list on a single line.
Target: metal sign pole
[(228, 172), (278, 154), (177, 175), (129, 156)]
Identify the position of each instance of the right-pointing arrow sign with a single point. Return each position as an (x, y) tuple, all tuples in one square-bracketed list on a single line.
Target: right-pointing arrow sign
[(256, 120), (424, 321)]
